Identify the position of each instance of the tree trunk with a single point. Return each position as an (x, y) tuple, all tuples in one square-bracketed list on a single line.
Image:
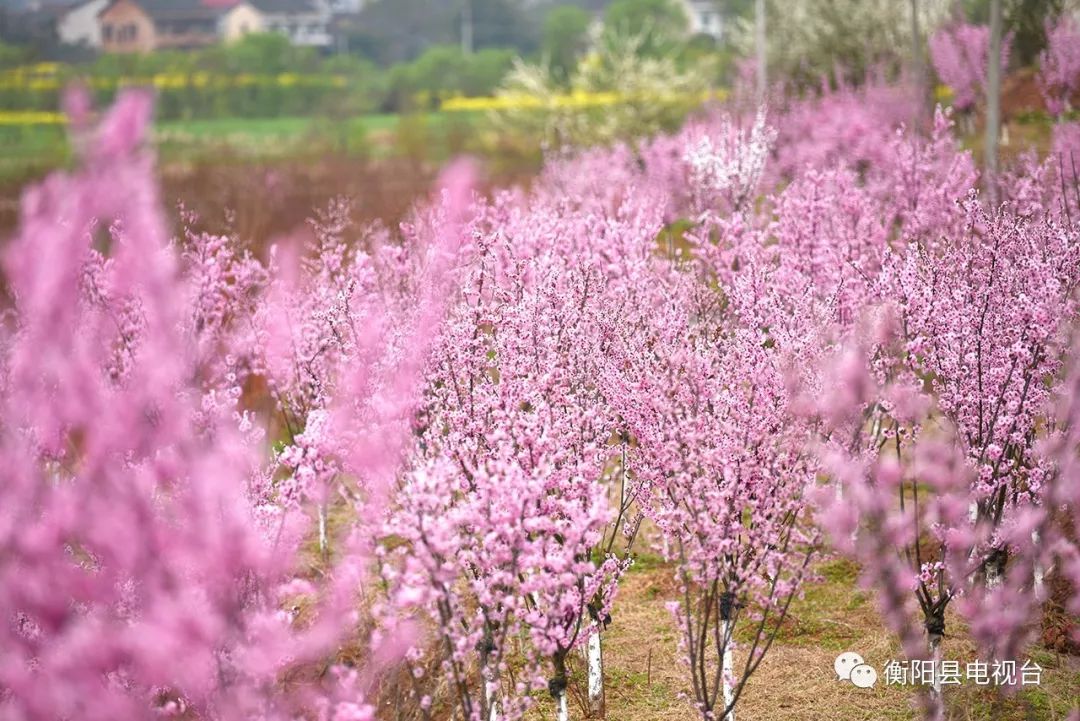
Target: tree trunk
[(486, 648), (934, 702), (762, 51), (995, 567), (492, 703), (935, 632), (993, 102), (729, 672), (1038, 571), (918, 75), (324, 544), (557, 687), (595, 657), (727, 605), (935, 657), (562, 713)]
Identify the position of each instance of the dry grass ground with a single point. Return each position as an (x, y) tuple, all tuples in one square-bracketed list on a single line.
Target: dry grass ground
[(796, 681)]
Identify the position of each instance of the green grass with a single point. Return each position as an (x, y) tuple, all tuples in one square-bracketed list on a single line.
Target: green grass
[(297, 127), (221, 128), (28, 151), (288, 127), (646, 561)]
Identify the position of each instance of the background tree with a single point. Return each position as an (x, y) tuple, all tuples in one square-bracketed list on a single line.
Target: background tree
[(445, 70), (392, 31), (1059, 65), (504, 24), (566, 36), (12, 55), (1024, 19), (660, 23), (811, 39), (961, 54), (260, 53)]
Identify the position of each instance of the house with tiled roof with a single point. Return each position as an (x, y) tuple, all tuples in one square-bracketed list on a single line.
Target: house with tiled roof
[(148, 25)]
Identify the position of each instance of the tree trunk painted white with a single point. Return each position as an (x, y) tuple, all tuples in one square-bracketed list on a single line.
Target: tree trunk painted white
[(562, 712), (728, 670), (595, 657), (934, 701), (323, 542), (1038, 571), (973, 517), (839, 489), (762, 51), (993, 575), (935, 657), (492, 704)]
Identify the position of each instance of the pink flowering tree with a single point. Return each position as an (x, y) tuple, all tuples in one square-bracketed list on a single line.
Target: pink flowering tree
[(902, 510), (1059, 64), (960, 54), (919, 181), (1066, 161), (841, 123), (989, 340), (934, 421), (508, 500), (725, 466), (1062, 492), (142, 572), (725, 163), (115, 495)]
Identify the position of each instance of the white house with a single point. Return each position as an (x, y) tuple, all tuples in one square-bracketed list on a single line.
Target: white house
[(306, 23), (706, 17), (346, 7), (78, 24)]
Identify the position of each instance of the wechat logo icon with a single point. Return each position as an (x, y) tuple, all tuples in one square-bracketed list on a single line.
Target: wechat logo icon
[(850, 666)]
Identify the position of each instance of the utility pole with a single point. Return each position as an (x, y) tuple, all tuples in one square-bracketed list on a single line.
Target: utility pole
[(467, 27), (993, 102), (918, 79), (762, 51)]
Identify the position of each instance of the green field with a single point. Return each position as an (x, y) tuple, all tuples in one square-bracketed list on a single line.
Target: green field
[(26, 151), (279, 128)]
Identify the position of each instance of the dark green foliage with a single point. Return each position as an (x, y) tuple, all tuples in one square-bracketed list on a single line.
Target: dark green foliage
[(399, 31), (1025, 19), (566, 37), (445, 70), (662, 22)]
